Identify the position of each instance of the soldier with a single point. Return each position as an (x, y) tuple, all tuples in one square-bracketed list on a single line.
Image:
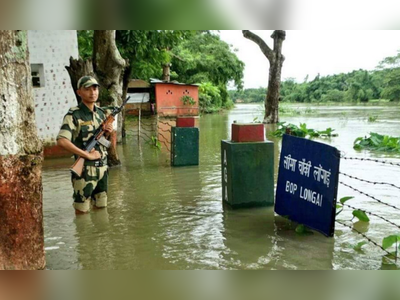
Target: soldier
[(78, 127)]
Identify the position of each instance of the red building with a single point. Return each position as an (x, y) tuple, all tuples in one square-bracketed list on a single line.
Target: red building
[(176, 99)]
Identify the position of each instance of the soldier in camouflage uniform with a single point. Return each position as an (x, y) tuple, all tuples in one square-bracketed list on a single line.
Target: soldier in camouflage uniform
[(78, 127)]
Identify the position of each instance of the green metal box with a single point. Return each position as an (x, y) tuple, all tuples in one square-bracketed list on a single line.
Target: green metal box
[(184, 146), (247, 173)]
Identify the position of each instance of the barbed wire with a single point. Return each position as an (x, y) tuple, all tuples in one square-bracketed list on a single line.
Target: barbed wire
[(371, 160), (366, 237), (372, 214), (372, 182), (372, 197)]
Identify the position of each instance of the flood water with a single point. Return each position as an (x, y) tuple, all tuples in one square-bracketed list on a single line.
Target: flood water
[(163, 217)]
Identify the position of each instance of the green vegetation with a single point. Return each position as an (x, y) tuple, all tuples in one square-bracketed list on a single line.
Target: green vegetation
[(196, 56), (378, 142), (354, 87), (206, 60), (389, 241), (155, 142), (361, 215), (301, 131), (187, 100), (372, 119)]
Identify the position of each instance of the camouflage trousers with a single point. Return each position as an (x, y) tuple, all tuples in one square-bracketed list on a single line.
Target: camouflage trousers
[(90, 188)]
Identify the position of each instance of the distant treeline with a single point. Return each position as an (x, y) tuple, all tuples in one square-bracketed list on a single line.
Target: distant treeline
[(357, 86)]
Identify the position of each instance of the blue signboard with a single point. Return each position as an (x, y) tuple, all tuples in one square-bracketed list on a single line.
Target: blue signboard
[(307, 183)]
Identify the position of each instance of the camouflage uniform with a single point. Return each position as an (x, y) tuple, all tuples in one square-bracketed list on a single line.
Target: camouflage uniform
[(78, 126)]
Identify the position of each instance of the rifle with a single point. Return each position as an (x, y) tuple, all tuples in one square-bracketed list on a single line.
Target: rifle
[(97, 138)]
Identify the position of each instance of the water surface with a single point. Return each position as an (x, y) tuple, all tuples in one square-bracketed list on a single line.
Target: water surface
[(160, 217)]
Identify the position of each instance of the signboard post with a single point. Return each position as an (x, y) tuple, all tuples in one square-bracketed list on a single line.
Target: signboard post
[(307, 183)]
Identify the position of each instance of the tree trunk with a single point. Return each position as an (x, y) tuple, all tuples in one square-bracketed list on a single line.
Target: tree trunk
[(276, 60), (109, 66), (21, 210), (78, 68)]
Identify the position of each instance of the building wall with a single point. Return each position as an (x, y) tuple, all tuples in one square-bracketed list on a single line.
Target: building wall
[(52, 49), (169, 103)]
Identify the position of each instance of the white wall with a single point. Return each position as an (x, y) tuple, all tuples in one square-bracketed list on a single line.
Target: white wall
[(52, 48)]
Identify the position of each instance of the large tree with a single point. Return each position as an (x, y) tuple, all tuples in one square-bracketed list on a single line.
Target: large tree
[(108, 66), (276, 59), (21, 211), (204, 58), (391, 88)]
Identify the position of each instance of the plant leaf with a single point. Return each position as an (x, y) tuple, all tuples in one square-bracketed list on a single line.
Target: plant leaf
[(302, 229), (345, 199), (389, 241), (362, 216), (359, 245)]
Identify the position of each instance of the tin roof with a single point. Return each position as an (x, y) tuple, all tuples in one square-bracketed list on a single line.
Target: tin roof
[(156, 81), (138, 83)]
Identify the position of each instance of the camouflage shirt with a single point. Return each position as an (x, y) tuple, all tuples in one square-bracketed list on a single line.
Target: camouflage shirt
[(79, 125)]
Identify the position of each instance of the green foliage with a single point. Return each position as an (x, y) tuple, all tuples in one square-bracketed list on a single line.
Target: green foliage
[(187, 100), (248, 95), (358, 247), (204, 58), (85, 43), (361, 215), (372, 119), (303, 230), (389, 241), (378, 142), (391, 82), (345, 199), (155, 142), (209, 97), (147, 50), (356, 86), (301, 131)]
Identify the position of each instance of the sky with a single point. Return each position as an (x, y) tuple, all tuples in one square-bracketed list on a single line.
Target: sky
[(310, 52)]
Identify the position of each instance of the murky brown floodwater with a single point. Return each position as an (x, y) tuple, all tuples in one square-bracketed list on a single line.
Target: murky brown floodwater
[(161, 217)]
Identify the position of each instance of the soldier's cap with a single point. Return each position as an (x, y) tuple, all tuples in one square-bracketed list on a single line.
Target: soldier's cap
[(87, 81)]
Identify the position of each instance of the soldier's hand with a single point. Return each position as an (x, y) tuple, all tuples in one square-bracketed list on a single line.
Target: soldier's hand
[(108, 128), (94, 155)]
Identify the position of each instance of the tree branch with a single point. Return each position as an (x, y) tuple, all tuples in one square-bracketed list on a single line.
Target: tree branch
[(260, 42)]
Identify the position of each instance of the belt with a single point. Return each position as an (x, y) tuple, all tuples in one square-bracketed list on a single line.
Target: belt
[(95, 163)]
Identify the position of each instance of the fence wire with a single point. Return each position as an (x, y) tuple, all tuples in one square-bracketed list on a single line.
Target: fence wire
[(390, 255), (372, 182), (369, 196), (371, 160), (367, 238)]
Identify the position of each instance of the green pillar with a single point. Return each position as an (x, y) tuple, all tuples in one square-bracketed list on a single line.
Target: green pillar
[(247, 173), (184, 146)]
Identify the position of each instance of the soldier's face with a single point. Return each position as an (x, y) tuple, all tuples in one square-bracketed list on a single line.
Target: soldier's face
[(89, 94)]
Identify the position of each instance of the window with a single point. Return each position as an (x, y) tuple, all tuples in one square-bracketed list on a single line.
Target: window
[(37, 73)]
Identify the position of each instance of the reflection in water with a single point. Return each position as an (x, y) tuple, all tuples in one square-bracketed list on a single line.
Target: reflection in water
[(93, 247), (160, 217), (249, 238)]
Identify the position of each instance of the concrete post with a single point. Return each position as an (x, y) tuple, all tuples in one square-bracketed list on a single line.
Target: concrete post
[(247, 168)]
